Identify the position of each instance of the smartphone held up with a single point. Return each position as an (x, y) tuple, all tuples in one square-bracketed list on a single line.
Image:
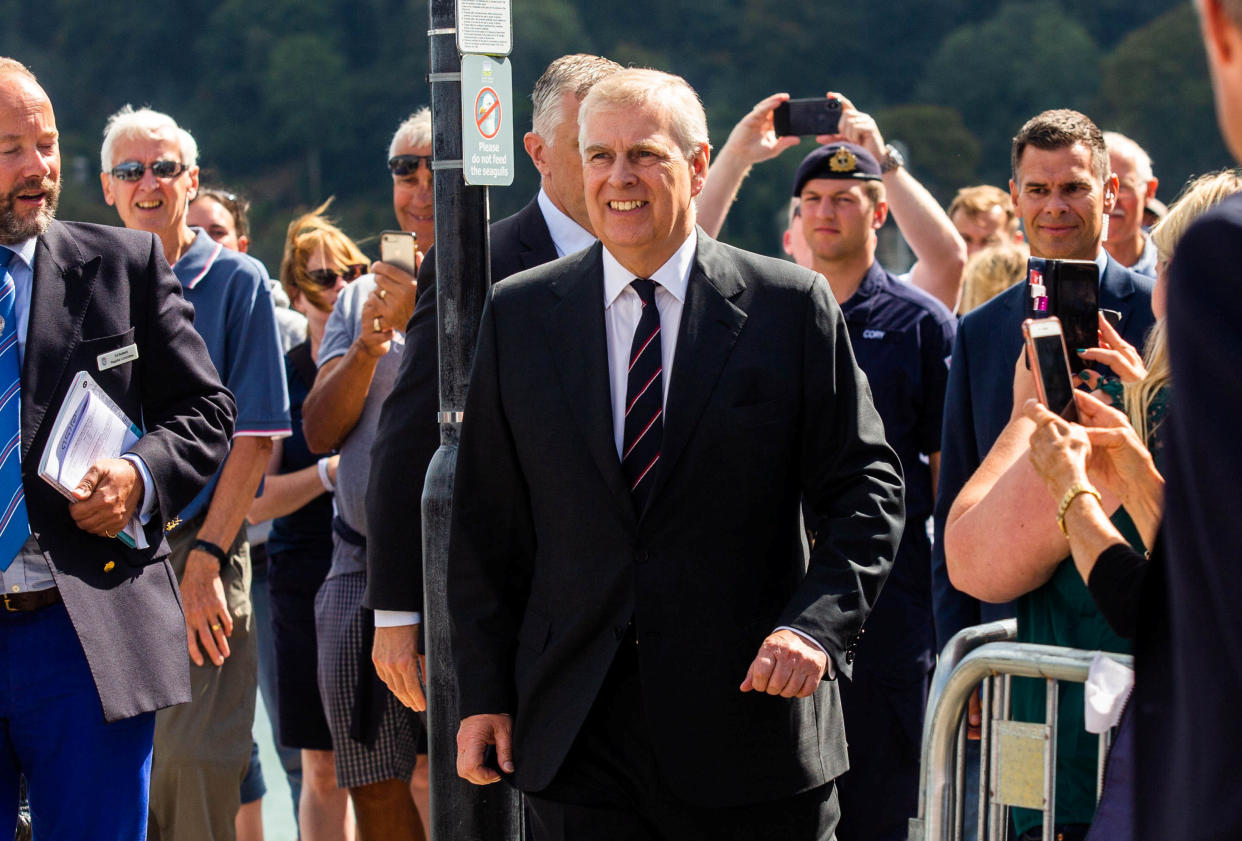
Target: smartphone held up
[(1045, 350), (807, 117)]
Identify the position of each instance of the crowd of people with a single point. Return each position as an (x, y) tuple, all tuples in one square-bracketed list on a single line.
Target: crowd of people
[(714, 513)]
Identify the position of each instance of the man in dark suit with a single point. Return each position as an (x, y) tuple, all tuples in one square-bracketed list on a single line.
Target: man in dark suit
[(554, 224), (1189, 681), (1062, 188), (92, 640), (635, 625)]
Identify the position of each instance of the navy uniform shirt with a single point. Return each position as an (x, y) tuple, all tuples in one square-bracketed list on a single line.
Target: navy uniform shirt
[(903, 339)]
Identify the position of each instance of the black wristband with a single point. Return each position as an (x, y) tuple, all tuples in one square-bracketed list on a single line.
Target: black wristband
[(213, 550)]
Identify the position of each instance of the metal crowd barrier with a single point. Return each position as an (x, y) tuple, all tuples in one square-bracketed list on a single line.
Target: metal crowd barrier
[(1017, 759)]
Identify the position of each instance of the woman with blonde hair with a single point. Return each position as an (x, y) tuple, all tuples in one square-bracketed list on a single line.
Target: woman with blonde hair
[(319, 260), (991, 271)]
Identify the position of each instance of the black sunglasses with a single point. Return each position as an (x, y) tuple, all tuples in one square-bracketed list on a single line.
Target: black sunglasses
[(326, 278), (134, 170), (403, 165)]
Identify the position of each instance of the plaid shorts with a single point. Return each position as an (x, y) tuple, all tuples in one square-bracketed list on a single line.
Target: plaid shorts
[(339, 619)]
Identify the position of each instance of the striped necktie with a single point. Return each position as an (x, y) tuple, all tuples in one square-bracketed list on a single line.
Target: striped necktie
[(14, 524), (644, 399)]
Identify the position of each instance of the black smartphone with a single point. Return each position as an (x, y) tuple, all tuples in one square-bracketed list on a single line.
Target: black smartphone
[(1070, 290), (1045, 350), (802, 117)]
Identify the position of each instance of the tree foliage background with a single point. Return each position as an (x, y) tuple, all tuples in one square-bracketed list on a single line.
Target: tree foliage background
[(295, 100)]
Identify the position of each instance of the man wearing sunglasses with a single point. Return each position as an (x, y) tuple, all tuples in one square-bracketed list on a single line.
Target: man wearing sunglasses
[(553, 224), (409, 161), (91, 634), (202, 749)]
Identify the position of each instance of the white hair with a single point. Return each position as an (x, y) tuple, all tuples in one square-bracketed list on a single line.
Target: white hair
[(636, 88), (1122, 145), (414, 131), (144, 122)]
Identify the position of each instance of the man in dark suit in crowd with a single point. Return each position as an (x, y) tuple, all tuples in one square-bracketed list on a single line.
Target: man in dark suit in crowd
[(554, 224), (1189, 684), (635, 626), (92, 639), (1063, 189)]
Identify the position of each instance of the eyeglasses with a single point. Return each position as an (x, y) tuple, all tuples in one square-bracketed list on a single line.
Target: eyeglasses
[(403, 165), (134, 170), (326, 278)]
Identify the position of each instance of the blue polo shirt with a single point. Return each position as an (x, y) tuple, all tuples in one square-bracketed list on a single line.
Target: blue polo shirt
[(903, 338), (234, 314)]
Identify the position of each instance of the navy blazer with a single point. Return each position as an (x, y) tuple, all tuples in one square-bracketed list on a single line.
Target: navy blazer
[(97, 289), (408, 434), (1189, 646), (978, 405)]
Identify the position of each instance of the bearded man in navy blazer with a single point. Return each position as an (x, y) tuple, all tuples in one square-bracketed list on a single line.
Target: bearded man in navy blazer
[(637, 626), (92, 639)]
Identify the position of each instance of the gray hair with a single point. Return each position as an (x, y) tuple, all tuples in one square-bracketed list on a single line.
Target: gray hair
[(1122, 145), (673, 95), (414, 131), (144, 122), (575, 74)]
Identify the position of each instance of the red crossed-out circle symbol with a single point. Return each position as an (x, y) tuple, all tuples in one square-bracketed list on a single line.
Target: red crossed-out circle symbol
[(487, 113)]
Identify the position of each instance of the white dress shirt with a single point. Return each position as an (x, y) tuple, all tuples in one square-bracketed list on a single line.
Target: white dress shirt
[(567, 235), (622, 310)]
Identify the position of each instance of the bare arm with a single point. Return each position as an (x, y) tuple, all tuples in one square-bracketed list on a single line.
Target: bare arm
[(933, 239), (202, 593), (284, 493), (752, 140), (336, 400)]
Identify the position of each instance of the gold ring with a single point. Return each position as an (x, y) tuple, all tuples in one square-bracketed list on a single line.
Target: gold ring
[(375, 325), (383, 293), (109, 534), (216, 626)]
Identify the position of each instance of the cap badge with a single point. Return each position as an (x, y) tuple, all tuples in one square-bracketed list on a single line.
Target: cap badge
[(843, 160)]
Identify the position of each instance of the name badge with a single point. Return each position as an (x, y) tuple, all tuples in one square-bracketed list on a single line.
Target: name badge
[(113, 358), (873, 334)]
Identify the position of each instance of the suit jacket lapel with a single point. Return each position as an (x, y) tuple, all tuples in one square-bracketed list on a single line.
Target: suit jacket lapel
[(59, 297), (710, 325), (576, 332), (1116, 288), (537, 245)]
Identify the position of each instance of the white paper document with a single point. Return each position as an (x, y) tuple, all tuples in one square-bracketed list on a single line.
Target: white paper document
[(88, 427)]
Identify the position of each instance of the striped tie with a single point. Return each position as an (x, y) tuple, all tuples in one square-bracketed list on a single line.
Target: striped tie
[(14, 525), (644, 399)]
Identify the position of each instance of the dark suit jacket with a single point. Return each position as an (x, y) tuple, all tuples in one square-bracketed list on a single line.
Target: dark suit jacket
[(978, 405), (1189, 647), (97, 289), (549, 562), (408, 434)]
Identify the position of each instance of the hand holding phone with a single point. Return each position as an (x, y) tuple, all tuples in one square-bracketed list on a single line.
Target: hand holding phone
[(815, 116), (398, 248), (1054, 385)]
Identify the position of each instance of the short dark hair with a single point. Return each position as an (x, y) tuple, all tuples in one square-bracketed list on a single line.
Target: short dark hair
[(1060, 129)]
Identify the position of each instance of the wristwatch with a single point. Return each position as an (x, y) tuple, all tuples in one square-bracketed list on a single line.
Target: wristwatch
[(893, 159)]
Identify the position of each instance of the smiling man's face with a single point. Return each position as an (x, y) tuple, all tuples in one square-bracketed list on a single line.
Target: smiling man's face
[(153, 204)]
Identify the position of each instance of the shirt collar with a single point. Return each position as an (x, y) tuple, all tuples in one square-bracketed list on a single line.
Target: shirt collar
[(197, 260), (1101, 260), (674, 275), (25, 250), (567, 235), (858, 306)]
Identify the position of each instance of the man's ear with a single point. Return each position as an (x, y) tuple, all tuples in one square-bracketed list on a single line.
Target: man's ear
[(243, 243), (698, 169), (105, 181), (1111, 186), (537, 149), (880, 215), (1151, 187), (787, 240)]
